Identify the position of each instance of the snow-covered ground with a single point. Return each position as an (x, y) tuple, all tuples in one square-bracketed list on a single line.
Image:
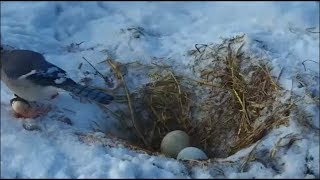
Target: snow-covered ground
[(170, 30)]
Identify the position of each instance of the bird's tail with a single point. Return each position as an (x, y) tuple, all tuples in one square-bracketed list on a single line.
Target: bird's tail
[(86, 92)]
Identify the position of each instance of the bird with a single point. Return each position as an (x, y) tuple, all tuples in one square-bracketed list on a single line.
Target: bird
[(32, 78)]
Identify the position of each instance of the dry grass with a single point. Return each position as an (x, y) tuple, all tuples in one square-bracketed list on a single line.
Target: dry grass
[(117, 69), (241, 103), (167, 103), (231, 103), (161, 106)]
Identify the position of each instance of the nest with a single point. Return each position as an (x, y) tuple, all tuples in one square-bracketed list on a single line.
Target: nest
[(241, 97), (167, 104), (230, 102)]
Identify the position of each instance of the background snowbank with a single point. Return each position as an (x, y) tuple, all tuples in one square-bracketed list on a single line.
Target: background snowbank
[(171, 29)]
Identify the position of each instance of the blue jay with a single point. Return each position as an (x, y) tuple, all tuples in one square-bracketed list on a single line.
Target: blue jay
[(31, 78)]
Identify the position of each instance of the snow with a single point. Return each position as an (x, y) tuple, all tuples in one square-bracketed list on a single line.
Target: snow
[(170, 29)]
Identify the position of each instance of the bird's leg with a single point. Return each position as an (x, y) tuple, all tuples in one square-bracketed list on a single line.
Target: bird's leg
[(25, 109)]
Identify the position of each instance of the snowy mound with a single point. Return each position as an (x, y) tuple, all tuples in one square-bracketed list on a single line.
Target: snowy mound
[(64, 32)]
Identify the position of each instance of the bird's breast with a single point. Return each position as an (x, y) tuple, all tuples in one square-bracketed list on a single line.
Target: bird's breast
[(28, 90)]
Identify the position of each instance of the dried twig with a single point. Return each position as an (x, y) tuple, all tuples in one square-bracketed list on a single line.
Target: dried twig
[(106, 79), (310, 30), (249, 157), (280, 73), (306, 61), (119, 75)]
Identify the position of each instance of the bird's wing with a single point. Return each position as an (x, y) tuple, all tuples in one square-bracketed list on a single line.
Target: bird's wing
[(24, 64)]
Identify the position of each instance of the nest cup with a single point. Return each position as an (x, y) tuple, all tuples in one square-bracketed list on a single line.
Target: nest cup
[(230, 102)]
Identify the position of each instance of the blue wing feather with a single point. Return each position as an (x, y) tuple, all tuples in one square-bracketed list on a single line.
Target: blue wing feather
[(17, 63)]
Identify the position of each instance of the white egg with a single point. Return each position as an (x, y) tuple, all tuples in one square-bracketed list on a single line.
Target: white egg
[(20, 107), (174, 142), (191, 153)]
